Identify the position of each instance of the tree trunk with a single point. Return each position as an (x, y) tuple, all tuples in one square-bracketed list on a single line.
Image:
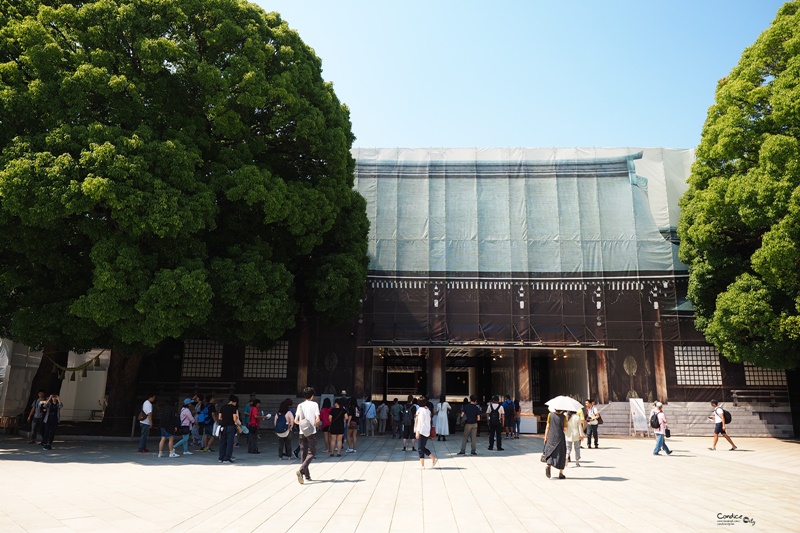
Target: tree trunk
[(123, 373), (45, 379)]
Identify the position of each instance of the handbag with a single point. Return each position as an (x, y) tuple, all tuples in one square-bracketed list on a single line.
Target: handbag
[(183, 430), (433, 433), (304, 424), (217, 429), (599, 420), (666, 433), (141, 416)]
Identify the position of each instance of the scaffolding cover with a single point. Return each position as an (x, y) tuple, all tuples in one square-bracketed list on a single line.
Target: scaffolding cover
[(495, 212)]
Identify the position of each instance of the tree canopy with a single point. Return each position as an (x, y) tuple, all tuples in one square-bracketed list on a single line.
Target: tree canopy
[(740, 221), (169, 170)]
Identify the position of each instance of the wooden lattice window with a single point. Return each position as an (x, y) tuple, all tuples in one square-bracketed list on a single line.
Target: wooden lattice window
[(267, 364), (697, 365), (202, 359)]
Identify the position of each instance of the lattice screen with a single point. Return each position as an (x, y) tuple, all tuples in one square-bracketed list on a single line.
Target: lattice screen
[(697, 365)]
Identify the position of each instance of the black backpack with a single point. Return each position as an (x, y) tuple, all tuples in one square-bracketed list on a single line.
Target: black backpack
[(494, 417), (408, 415), (654, 423), (510, 411), (726, 415)]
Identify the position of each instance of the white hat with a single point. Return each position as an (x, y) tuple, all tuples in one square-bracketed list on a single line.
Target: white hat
[(659, 404)]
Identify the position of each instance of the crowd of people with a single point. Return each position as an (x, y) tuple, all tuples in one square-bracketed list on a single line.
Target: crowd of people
[(201, 422)]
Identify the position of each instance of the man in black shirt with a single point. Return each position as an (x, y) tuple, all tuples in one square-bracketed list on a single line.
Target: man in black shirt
[(472, 414), (229, 420)]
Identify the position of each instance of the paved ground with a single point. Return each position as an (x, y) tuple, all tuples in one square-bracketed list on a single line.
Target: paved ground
[(107, 486)]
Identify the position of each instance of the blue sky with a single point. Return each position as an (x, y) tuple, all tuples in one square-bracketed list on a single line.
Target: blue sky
[(530, 74)]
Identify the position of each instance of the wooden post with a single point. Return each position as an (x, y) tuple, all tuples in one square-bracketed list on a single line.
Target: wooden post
[(602, 376), (658, 362), (522, 374), (302, 355), (436, 372)]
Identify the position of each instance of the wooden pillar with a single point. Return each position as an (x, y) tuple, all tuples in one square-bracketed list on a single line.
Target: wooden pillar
[(302, 355), (658, 362), (358, 376), (522, 374), (436, 372), (602, 376)]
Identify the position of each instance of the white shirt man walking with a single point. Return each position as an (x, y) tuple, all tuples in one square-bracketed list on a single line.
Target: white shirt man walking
[(307, 418)]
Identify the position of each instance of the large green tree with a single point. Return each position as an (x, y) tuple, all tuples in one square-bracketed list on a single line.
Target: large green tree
[(740, 221), (169, 169)]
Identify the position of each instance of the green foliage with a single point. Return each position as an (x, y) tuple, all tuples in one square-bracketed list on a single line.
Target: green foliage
[(169, 170), (740, 220)]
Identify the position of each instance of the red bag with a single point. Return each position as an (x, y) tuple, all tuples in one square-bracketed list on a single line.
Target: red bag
[(433, 433)]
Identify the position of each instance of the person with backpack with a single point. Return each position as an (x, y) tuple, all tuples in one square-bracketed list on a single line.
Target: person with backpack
[(496, 417), (721, 419), (661, 430), (409, 414), (207, 417), (509, 410)]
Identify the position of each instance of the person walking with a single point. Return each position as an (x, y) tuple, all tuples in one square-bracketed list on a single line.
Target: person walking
[(186, 423), (422, 430), (371, 414), (36, 417), (471, 415), (325, 420), (574, 434), (337, 418), (146, 423), (308, 419), (661, 431), (228, 420), (442, 424), (517, 418), (495, 415), (555, 446), (254, 418), (383, 416), (52, 416), (284, 421), (397, 419), (720, 426), (170, 425), (592, 416)]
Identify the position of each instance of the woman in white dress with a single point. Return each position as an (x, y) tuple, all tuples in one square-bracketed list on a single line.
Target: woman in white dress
[(442, 425)]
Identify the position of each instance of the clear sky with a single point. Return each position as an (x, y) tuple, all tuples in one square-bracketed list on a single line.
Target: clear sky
[(565, 73)]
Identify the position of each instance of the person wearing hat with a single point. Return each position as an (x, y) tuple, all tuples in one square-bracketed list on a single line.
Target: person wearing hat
[(187, 421), (660, 431), (720, 426)]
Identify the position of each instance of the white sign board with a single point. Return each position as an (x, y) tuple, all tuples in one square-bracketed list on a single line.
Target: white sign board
[(638, 415)]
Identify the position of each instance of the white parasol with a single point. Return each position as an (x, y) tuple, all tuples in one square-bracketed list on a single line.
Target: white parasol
[(564, 403)]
